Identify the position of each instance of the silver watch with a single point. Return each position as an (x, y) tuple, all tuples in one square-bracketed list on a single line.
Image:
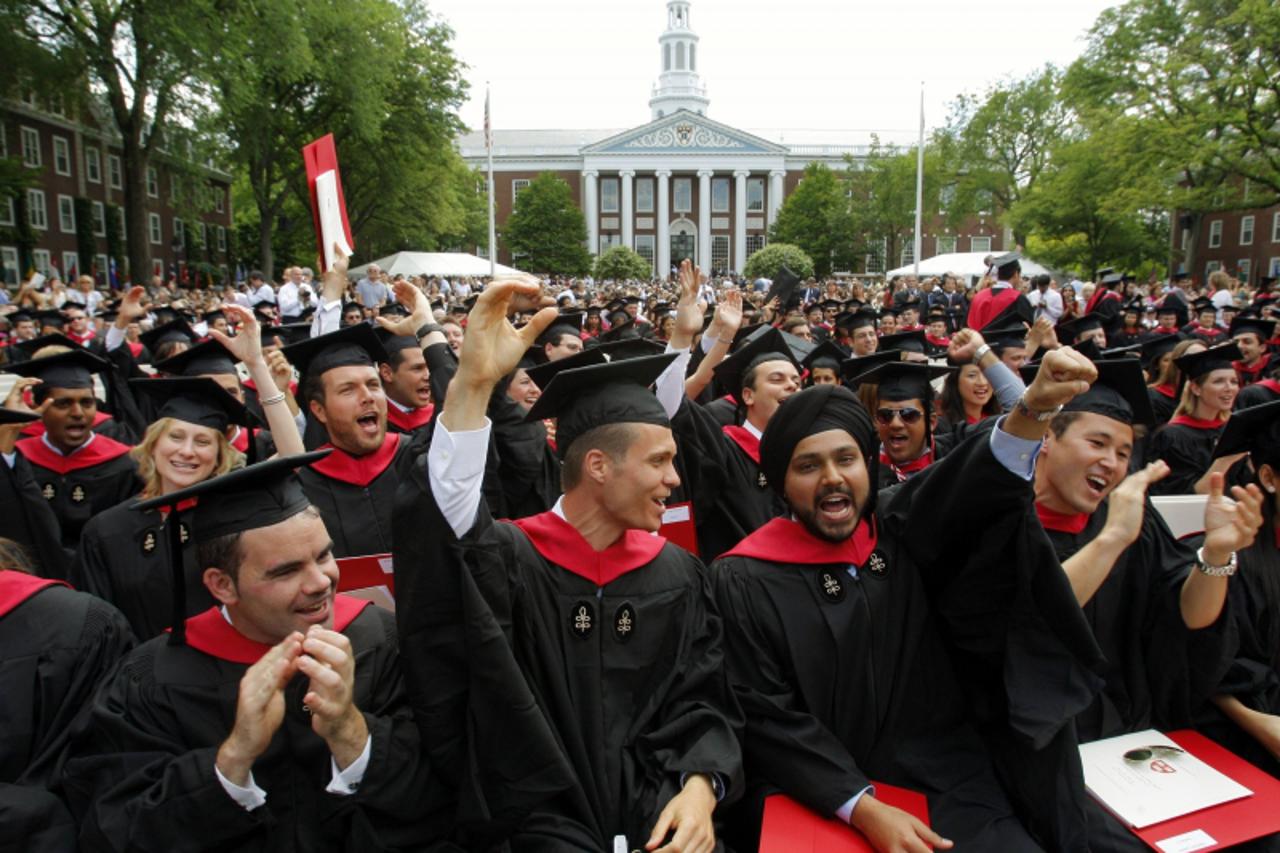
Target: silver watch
[(980, 353), (1223, 571)]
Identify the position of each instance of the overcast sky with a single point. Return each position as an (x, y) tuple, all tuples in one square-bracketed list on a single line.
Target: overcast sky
[(798, 64)]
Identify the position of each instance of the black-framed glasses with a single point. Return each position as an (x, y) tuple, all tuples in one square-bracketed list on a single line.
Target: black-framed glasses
[(1143, 753), (908, 414)]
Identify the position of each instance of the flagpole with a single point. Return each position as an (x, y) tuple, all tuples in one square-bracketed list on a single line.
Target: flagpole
[(488, 145), (915, 254)]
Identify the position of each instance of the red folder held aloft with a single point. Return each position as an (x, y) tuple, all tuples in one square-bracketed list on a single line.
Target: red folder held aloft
[(789, 827), (328, 205)]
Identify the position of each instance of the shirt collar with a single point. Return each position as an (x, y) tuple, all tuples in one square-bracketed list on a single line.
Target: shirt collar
[(751, 428), (44, 436)]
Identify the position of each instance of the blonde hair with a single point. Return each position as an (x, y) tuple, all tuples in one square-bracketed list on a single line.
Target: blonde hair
[(1187, 403), (228, 457)]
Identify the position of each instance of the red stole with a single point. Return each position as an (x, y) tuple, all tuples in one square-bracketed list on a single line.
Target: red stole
[(1099, 296), (241, 441), (358, 470), (938, 342), (81, 339), (1064, 522), (783, 540), (743, 437), (1249, 375), (1196, 423), (1270, 384), (560, 543), (101, 450), (1166, 390), (902, 472), (16, 587), (211, 633), (411, 420)]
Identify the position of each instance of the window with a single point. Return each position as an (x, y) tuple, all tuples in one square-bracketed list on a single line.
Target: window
[(1212, 267), (755, 242), (1243, 268), (157, 267), (42, 261), (153, 228), (61, 155), (93, 165), (1215, 233), (979, 244), (679, 56), (608, 195), (908, 254), (518, 186), (66, 215), (608, 241), (1275, 267), (31, 148), (720, 252), (644, 195), (1246, 231), (693, 57), (875, 260), (175, 189), (37, 213), (57, 106), (115, 177), (1275, 228), (946, 197), (645, 247), (99, 219), (682, 195), (219, 200), (9, 257), (153, 183), (986, 201), (222, 239), (666, 58), (70, 265), (945, 245), (755, 195), (179, 236), (203, 231), (103, 268), (7, 216), (719, 195), (120, 222), (1186, 236)]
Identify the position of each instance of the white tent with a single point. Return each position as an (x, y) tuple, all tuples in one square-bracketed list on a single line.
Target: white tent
[(433, 263), (964, 264)]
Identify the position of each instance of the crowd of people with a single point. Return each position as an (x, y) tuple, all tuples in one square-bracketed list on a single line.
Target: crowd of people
[(646, 555)]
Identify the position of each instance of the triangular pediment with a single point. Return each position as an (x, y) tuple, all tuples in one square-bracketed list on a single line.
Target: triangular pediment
[(684, 132)]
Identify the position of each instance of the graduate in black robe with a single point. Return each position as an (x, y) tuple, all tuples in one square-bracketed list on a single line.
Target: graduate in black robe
[(28, 519), (354, 488), (55, 645), (181, 748), (571, 688), (863, 651), (1186, 442), (89, 473)]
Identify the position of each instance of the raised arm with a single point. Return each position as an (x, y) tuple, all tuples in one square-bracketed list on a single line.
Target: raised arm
[(247, 347)]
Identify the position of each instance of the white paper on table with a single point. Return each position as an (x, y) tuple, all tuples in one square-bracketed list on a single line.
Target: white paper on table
[(331, 230), (1160, 788)]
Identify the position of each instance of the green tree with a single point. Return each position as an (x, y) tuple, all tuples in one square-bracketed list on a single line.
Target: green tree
[(766, 262), (148, 58), (883, 194), (621, 263), (816, 218), (546, 232)]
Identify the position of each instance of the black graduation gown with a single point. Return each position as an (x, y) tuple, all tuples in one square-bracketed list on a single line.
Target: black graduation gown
[(124, 559), (1158, 672), (84, 484), (1253, 675), (1262, 391), (1124, 338), (55, 644), (141, 773), (528, 468), (890, 670), (564, 712), (29, 520), (721, 474), (410, 422), (355, 495), (1187, 446), (1161, 404)]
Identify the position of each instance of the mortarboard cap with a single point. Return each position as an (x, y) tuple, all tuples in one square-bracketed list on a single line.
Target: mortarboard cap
[(393, 309), (1255, 429), (1264, 329), (213, 316), (1197, 364), (1007, 264), (195, 400), (73, 369), (1202, 304), (56, 339), (353, 345), (584, 398), (565, 323), (13, 416), (1119, 392), (620, 331), (541, 374), (827, 355), (769, 345), (784, 287), (852, 369), (1071, 330), (1111, 279), (177, 330), (629, 348), (903, 341), (50, 317), (1019, 310), (1155, 346), (851, 321), (203, 359), (904, 380)]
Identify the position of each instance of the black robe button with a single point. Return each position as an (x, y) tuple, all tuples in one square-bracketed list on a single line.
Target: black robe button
[(582, 619), (831, 587), (624, 622), (877, 564)]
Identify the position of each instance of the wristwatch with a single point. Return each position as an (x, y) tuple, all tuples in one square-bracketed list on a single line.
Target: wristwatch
[(427, 328), (1028, 412), (980, 353), (1224, 571)]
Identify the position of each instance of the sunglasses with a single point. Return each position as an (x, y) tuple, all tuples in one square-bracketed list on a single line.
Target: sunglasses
[(1143, 753), (908, 414)]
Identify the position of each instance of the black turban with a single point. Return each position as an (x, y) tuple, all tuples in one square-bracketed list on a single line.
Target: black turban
[(809, 412)]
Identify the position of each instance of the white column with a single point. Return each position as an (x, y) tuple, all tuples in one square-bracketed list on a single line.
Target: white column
[(628, 209), (704, 219), (591, 209), (740, 220), (776, 179), (662, 254)]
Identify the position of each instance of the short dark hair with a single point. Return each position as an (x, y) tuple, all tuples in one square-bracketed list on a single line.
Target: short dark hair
[(613, 440), (222, 553), (1062, 422), (312, 388)]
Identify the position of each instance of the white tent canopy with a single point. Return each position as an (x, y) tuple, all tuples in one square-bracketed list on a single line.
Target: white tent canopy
[(433, 263), (964, 264)]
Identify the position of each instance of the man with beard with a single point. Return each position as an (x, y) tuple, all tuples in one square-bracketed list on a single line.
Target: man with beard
[(1155, 605), (863, 651), (565, 668)]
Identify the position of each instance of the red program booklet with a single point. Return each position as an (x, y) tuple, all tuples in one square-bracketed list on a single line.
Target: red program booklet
[(789, 827)]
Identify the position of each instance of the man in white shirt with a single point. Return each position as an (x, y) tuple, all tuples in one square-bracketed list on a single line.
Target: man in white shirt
[(289, 297), (1045, 298), (260, 290)]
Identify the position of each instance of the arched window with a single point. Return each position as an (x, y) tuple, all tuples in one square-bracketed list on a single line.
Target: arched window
[(666, 57), (693, 57), (680, 55)]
